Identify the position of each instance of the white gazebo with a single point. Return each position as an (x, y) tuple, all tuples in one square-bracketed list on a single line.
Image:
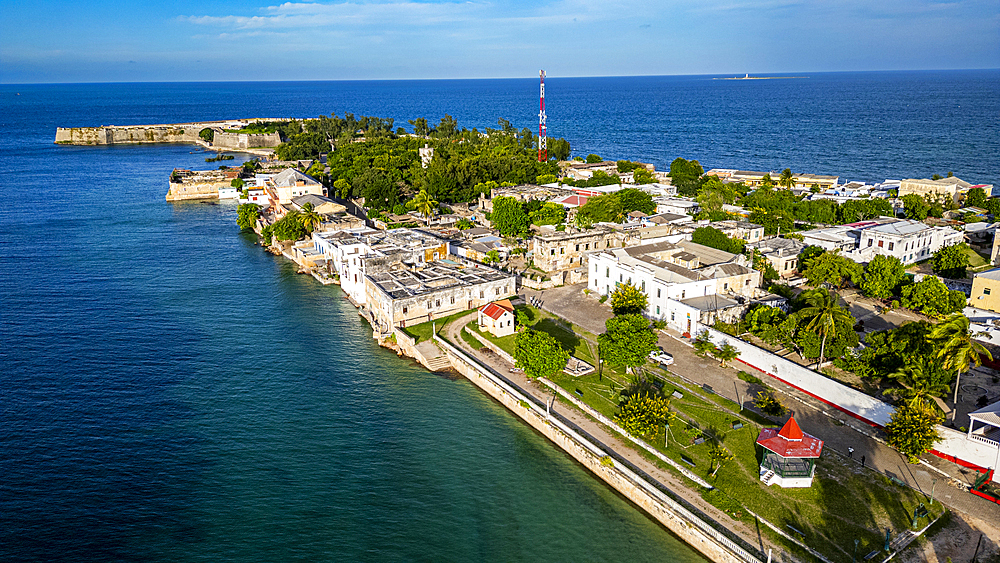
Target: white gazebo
[(984, 427)]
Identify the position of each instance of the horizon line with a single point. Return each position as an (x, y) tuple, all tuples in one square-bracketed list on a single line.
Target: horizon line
[(724, 74)]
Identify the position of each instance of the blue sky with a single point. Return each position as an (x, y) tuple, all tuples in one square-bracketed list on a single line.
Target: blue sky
[(110, 41)]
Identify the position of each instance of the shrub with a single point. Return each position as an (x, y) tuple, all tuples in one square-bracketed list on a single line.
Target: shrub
[(749, 378), (769, 404)]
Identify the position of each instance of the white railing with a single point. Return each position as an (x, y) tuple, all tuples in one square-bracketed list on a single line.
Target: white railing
[(985, 440), (624, 472)]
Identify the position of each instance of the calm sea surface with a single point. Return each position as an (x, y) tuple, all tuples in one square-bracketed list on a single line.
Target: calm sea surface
[(169, 392)]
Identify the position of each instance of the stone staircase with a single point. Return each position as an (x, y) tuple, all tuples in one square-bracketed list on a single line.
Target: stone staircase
[(432, 357), (767, 476)]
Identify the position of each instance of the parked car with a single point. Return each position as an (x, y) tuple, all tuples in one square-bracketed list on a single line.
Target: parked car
[(661, 357)]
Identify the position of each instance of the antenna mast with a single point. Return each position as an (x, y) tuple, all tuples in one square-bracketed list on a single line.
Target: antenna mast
[(543, 150)]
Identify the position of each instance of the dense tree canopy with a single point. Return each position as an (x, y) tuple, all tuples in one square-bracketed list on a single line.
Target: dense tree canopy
[(539, 354), (686, 175), (714, 238), (912, 431), (628, 299), (833, 269), (951, 261), (627, 341), (932, 298), (509, 217), (882, 275)]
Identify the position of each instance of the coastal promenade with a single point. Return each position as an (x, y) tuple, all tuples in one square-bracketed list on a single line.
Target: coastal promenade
[(838, 430), (640, 473)]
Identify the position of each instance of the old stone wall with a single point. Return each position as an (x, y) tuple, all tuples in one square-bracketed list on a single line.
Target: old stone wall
[(685, 524), (204, 190)]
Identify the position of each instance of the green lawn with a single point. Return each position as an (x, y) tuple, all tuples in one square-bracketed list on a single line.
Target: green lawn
[(423, 331), (976, 259)]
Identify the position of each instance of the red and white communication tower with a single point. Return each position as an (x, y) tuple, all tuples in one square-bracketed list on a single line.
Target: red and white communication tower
[(543, 150)]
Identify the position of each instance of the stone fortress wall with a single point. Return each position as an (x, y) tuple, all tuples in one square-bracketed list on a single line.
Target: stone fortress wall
[(171, 133)]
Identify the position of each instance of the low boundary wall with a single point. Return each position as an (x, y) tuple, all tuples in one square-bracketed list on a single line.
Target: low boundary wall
[(954, 446), (679, 520)]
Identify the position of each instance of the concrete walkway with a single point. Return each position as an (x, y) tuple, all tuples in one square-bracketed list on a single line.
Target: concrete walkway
[(838, 430), (602, 436)]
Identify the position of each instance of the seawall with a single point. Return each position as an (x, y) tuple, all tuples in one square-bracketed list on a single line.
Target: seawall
[(225, 135), (685, 524)]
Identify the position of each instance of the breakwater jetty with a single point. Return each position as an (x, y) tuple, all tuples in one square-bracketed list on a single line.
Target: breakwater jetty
[(226, 134)]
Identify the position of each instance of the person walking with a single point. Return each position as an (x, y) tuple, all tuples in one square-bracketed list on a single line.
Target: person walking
[(850, 453), (862, 461)]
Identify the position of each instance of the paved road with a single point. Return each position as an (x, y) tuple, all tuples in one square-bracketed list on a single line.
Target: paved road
[(600, 435), (838, 430)]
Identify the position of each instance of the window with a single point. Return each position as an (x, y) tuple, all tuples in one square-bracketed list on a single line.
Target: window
[(621, 278), (657, 309), (880, 244), (578, 248), (437, 303), (562, 251), (587, 247), (552, 252), (891, 245), (607, 272), (683, 293), (672, 315), (498, 291), (644, 287), (747, 282), (986, 291), (725, 286), (429, 305), (452, 299), (404, 310), (657, 292), (481, 294)]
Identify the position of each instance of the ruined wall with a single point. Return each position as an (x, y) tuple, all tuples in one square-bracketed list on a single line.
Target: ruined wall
[(200, 190), (223, 140)]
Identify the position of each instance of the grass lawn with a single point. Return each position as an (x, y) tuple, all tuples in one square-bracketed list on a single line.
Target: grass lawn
[(844, 503), (975, 259), (423, 331)]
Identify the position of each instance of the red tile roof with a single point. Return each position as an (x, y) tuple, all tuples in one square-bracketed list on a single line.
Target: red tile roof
[(494, 310), (790, 441)]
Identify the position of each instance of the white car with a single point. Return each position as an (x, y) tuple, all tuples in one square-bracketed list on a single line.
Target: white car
[(661, 357)]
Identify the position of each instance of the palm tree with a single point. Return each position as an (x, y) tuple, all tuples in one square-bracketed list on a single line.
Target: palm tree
[(726, 353), (923, 379), (425, 205), (823, 312), (786, 180), (310, 219), (957, 349)]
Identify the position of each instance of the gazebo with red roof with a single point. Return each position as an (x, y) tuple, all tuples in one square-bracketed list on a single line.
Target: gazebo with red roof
[(789, 457)]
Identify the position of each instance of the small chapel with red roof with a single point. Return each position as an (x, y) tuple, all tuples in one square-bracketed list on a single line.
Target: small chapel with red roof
[(789, 456)]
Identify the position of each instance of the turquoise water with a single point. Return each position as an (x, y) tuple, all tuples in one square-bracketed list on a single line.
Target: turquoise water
[(170, 392)]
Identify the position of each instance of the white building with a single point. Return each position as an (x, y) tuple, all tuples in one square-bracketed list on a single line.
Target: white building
[(910, 241), (676, 206), (686, 283)]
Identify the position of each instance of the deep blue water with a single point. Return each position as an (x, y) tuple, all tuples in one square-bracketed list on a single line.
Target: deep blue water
[(169, 392)]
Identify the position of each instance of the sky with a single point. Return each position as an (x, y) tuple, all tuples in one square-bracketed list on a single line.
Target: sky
[(45, 41)]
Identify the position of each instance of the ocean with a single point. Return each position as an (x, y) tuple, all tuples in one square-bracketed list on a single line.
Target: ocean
[(170, 392)]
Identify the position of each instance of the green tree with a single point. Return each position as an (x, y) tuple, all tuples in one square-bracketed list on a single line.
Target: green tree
[(247, 215), (726, 353), (923, 378), (627, 341), (786, 180), (628, 299), (882, 275), (546, 179), (685, 174), (834, 269), (766, 181), (207, 134), (768, 403), (915, 207), (548, 214), (641, 176), (808, 254), (931, 297), (951, 261), (559, 149), (425, 205), (509, 217), (957, 349), (492, 257), (912, 431), (714, 238), (594, 159), (975, 198), (539, 354), (703, 344), (343, 188), (309, 218), (237, 183), (633, 199), (644, 413), (823, 313)]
